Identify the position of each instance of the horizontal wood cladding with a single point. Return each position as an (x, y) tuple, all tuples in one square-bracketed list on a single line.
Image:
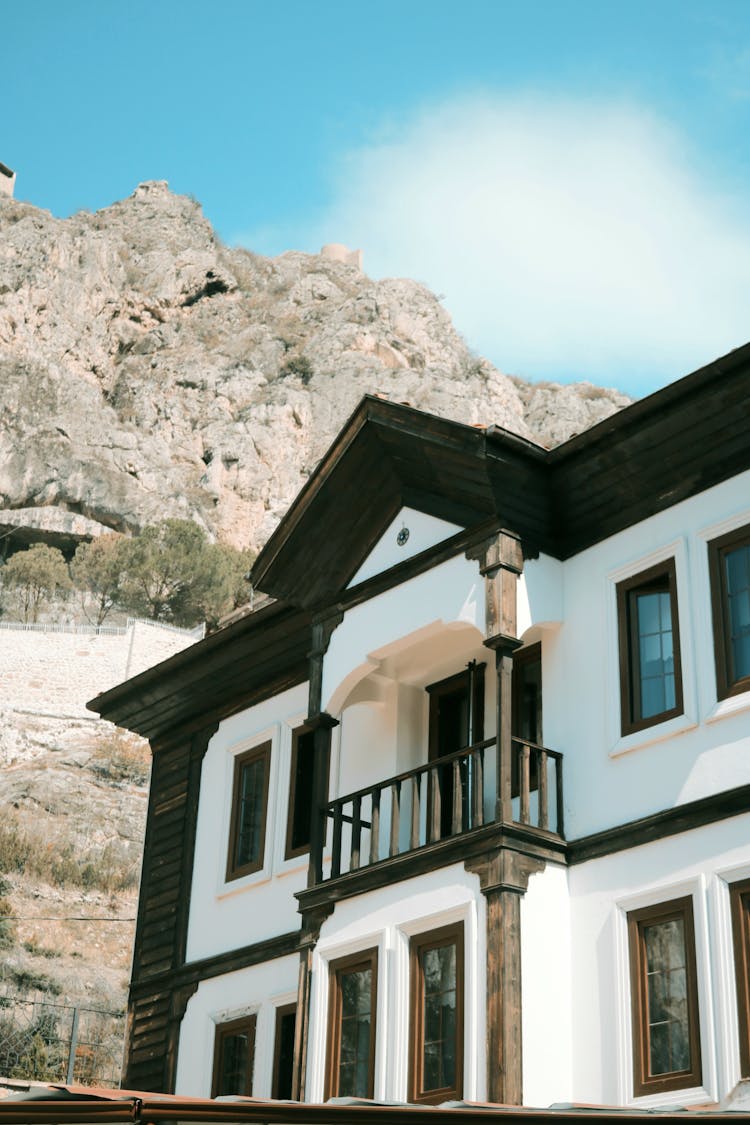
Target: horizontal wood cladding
[(161, 932), (656, 453)]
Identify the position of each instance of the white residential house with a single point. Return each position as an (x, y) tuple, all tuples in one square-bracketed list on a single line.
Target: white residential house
[(461, 811)]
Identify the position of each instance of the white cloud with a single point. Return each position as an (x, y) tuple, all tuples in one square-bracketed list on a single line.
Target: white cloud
[(571, 239)]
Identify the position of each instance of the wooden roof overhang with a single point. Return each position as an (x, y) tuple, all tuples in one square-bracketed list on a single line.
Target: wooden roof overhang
[(257, 656), (665, 448), (387, 456)]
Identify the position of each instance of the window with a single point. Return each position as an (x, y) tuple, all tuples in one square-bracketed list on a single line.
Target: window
[(234, 1050), (739, 894), (247, 831), (437, 1015), (351, 1026), (729, 569), (456, 711), (283, 1052), (300, 792), (526, 711), (666, 1034), (456, 721), (527, 694), (650, 671)]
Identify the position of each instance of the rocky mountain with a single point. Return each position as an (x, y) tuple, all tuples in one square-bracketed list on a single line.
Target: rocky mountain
[(148, 370)]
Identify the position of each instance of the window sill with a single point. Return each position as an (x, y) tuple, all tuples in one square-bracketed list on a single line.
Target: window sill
[(659, 732), (694, 1095), (245, 883), (732, 705)]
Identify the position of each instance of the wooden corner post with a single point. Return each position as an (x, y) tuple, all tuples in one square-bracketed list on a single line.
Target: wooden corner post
[(321, 724), (501, 564)]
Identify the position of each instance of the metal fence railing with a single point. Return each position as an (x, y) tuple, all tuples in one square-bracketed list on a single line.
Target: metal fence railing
[(48, 1042)]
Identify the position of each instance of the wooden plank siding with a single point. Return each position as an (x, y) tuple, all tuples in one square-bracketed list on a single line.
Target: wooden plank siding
[(161, 932)]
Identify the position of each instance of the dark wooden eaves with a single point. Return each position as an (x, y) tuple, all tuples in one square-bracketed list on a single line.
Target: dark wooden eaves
[(388, 456), (669, 446), (247, 661)]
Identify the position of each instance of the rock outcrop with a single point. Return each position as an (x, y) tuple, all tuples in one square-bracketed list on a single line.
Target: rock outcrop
[(149, 371)]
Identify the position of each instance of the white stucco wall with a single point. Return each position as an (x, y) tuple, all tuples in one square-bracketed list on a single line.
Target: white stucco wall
[(449, 594), (424, 531), (610, 779), (229, 915), (260, 989), (387, 919), (546, 989), (700, 863)]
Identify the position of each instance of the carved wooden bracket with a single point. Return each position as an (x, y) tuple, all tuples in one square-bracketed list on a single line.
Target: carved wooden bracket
[(322, 631), (500, 561), (312, 920), (504, 870)]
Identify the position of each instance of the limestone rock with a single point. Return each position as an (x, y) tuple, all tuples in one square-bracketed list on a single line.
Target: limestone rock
[(150, 371)]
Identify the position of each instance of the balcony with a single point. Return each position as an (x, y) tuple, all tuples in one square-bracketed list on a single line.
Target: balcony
[(439, 813)]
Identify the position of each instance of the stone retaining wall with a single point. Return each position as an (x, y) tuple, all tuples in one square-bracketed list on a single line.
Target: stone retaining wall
[(53, 673)]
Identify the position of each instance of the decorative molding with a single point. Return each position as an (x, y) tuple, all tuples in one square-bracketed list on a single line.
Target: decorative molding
[(504, 870), (669, 822)]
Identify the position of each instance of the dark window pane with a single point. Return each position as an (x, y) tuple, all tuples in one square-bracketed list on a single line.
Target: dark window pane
[(250, 812), (654, 627), (302, 783), (439, 1017), (737, 573), (233, 1073), (356, 1019), (284, 1055), (666, 983)]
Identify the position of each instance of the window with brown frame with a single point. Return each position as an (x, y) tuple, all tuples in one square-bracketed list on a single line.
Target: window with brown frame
[(739, 895), (649, 643), (234, 1053), (437, 1015), (283, 1052), (664, 984), (247, 830), (352, 1005), (300, 792), (456, 720), (729, 570)]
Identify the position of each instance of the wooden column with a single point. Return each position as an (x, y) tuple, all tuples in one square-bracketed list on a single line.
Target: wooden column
[(500, 563), (503, 878), (321, 724), (311, 923)]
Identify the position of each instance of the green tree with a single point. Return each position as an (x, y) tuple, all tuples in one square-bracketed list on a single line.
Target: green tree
[(97, 571), (34, 576), (171, 572)]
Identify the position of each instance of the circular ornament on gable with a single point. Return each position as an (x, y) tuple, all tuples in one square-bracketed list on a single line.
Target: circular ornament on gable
[(402, 536)]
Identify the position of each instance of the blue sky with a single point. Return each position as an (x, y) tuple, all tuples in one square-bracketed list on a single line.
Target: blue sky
[(572, 177)]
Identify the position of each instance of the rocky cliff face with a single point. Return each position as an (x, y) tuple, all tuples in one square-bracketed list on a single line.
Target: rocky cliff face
[(150, 371)]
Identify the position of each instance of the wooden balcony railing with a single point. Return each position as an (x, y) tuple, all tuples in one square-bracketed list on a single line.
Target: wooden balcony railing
[(447, 797)]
